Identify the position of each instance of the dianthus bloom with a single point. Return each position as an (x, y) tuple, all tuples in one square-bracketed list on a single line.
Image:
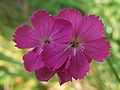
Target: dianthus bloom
[(45, 30), (63, 45), (87, 42)]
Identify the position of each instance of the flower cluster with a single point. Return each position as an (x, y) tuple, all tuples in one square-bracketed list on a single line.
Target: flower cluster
[(64, 44)]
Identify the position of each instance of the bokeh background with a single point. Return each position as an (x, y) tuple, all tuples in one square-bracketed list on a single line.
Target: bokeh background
[(102, 76)]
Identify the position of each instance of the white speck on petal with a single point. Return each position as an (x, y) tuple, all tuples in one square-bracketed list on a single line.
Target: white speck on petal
[(67, 47)]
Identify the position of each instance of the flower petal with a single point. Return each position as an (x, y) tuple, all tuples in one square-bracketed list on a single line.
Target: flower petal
[(97, 49), (71, 15), (55, 56), (91, 28), (25, 37), (61, 32), (44, 74), (32, 60), (89, 59), (87, 27), (64, 76), (43, 22), (79, 65)]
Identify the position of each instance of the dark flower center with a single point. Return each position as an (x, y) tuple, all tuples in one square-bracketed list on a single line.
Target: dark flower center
[(74, 43), (47, 42)]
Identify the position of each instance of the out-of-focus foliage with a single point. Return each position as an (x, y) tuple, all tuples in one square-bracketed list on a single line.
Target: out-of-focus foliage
[(102, 76)]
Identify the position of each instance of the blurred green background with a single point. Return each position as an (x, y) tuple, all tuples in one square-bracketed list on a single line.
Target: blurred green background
[(102, 76)]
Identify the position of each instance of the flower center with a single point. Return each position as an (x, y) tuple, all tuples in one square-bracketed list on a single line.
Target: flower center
[(47, 41), (75, 43)]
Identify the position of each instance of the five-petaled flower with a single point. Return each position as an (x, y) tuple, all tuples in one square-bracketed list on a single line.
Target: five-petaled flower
[(63, 45)]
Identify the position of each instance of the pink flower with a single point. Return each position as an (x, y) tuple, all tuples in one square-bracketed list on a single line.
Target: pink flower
[(45, 30), (63, 45), (87, 42)]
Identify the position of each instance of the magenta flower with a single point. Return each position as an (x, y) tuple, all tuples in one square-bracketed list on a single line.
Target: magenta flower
[(63, 45), (45, 30), (87, 42)]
